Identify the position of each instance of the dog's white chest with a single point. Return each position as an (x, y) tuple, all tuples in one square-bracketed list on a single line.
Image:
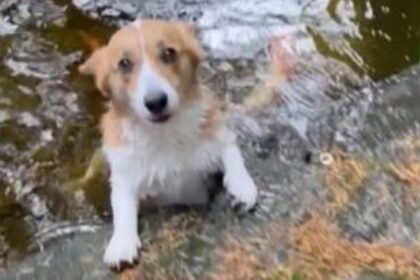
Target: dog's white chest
[(169, 158), (163, 159)]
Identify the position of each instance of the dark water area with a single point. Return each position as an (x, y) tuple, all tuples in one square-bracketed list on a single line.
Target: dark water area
[(382, 37), (48, 129)]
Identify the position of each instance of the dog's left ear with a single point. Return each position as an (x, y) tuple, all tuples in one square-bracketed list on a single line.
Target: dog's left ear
[(93, 62), (97, 66), (189, 34)]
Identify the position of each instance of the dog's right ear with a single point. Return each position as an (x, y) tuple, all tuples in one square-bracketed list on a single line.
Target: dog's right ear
[(97, 65), (189, 33)]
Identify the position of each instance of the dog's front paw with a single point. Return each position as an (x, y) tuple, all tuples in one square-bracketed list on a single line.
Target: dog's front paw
[(122, 251), (244, 191)]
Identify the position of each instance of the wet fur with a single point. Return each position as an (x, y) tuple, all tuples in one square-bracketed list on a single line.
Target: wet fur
[(168, 160)]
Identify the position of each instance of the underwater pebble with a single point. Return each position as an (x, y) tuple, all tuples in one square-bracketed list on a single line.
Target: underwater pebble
[(47, 135), (326, 159), (225, 67), (29, 120), (4, 116), (6, 28)]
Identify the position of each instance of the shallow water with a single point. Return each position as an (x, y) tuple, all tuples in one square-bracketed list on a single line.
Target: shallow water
[(48, 129), (340, 95)]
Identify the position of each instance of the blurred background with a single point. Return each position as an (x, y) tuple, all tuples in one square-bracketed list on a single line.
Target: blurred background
[(351, 90)]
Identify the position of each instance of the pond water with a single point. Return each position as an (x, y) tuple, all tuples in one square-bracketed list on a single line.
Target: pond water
[(345, 91)]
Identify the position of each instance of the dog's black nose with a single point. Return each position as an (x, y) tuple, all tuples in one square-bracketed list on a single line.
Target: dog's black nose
[(156, 102)]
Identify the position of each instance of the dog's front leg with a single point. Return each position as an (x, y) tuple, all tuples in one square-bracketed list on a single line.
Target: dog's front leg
[(124, 244), (237, 180)]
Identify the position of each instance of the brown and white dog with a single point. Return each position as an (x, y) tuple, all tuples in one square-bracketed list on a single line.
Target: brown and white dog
[(162, 133)]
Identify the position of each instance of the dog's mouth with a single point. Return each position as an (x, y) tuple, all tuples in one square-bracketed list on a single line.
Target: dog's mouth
[(161, 118)]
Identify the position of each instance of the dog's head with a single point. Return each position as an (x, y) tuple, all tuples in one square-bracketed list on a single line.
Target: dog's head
[(148, 68)]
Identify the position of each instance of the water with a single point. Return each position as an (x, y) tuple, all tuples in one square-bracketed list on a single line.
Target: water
[(46, 138), (343, 93), (380, 37)]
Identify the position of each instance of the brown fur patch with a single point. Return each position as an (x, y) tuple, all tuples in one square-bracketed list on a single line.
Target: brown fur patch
[(91, 42), (213, 117), (98, 66), (111, 127)]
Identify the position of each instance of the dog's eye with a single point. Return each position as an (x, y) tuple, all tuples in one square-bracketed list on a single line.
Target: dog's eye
[(168, 55), (125, 65)]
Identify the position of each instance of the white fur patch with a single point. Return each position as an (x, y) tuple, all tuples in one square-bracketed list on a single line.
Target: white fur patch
[(237, 180), (150, 82), (124, 243)]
